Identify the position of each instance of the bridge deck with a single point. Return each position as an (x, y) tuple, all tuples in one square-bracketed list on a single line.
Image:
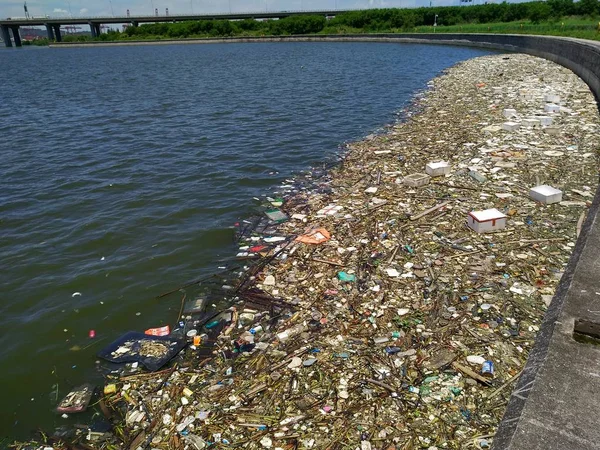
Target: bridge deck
[(36, 21)]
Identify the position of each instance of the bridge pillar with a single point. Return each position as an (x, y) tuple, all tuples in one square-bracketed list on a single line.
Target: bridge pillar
[(98, 30), (57, 33), (6, 36), (16, 35), (50, 32), (134, 24), (93, 30)]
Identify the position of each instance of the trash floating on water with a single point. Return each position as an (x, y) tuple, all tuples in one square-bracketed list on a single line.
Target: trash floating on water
[(546, 194), (486, 221), (161, 331), (77, 400), (317, 236), (437, 169), (416, 180), (395, 312), (153, 352)]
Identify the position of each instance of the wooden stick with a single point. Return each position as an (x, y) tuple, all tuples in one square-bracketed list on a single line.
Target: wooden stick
[(325, 261), (533, 241), (447, 258), (429, 211), (380, 384), (497, 391), (580, 223), (394, 253), (470, 373), (191, 283)]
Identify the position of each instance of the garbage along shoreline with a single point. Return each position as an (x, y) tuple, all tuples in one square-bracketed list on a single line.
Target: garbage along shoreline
[(390, 303)]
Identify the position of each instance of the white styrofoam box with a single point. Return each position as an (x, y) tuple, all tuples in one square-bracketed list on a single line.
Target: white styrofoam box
[(544, 120), (416, 179), (530, 123), (553, 131), (546, 194), (497, 90), (510, 126), (551, 107), (486, 221), (508, 113), (552, 98), (437, 169)]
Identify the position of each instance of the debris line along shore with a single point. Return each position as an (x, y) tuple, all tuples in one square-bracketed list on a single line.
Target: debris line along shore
[(398, 295)]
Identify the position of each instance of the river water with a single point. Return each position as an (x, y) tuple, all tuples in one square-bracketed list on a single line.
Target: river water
[(124, 169)]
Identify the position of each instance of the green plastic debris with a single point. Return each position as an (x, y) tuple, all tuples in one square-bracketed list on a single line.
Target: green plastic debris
[(276, 215), (212, 324), (343, 276)]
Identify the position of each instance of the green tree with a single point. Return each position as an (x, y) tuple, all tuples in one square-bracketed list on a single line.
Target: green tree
[(588, 7), (538, 12)]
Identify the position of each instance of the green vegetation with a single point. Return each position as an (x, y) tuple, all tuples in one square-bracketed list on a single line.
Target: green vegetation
[(552, 17), (572, 27)]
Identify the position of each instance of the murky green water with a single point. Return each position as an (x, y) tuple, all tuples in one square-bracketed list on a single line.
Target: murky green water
[(123, 170)]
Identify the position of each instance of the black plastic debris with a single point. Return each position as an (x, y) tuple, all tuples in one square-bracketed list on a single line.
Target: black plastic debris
[(153, 352)]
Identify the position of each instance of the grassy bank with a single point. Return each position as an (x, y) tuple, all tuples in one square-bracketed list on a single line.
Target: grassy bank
[(578, 27)]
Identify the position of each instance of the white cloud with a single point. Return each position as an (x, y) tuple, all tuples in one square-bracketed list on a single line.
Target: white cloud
[(60, 11), (83, 11)]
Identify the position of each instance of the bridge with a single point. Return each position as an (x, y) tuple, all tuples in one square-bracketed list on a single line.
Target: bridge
[(54, 34)]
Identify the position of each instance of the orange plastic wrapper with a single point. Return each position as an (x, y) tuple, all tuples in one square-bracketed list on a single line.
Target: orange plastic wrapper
[(162, 331), (317, 236)]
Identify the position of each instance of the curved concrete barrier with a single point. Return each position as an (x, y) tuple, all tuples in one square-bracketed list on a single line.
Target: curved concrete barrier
[(554, 405)]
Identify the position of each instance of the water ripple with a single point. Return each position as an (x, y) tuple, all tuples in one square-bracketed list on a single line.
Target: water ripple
[(125, 168)]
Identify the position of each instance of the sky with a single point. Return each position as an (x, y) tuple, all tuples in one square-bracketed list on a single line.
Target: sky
[(75, 8)]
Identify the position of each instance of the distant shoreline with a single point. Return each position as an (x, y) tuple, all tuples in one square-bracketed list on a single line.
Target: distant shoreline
[(496, 41), (250, 39)]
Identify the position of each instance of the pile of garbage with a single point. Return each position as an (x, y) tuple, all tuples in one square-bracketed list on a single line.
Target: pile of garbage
[(392, 302)]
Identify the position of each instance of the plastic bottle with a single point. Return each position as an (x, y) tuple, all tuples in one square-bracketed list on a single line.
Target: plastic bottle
[(291, 332)]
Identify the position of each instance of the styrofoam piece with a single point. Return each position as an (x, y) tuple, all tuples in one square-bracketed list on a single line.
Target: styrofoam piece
[(553, 131), (546, 194), (486, 221), (498, 90), (545, 120), (437, 169), (491, 129), (508, 113), (552, 98), (510, 126), (530, 123), (416, 179), (551, 107)]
